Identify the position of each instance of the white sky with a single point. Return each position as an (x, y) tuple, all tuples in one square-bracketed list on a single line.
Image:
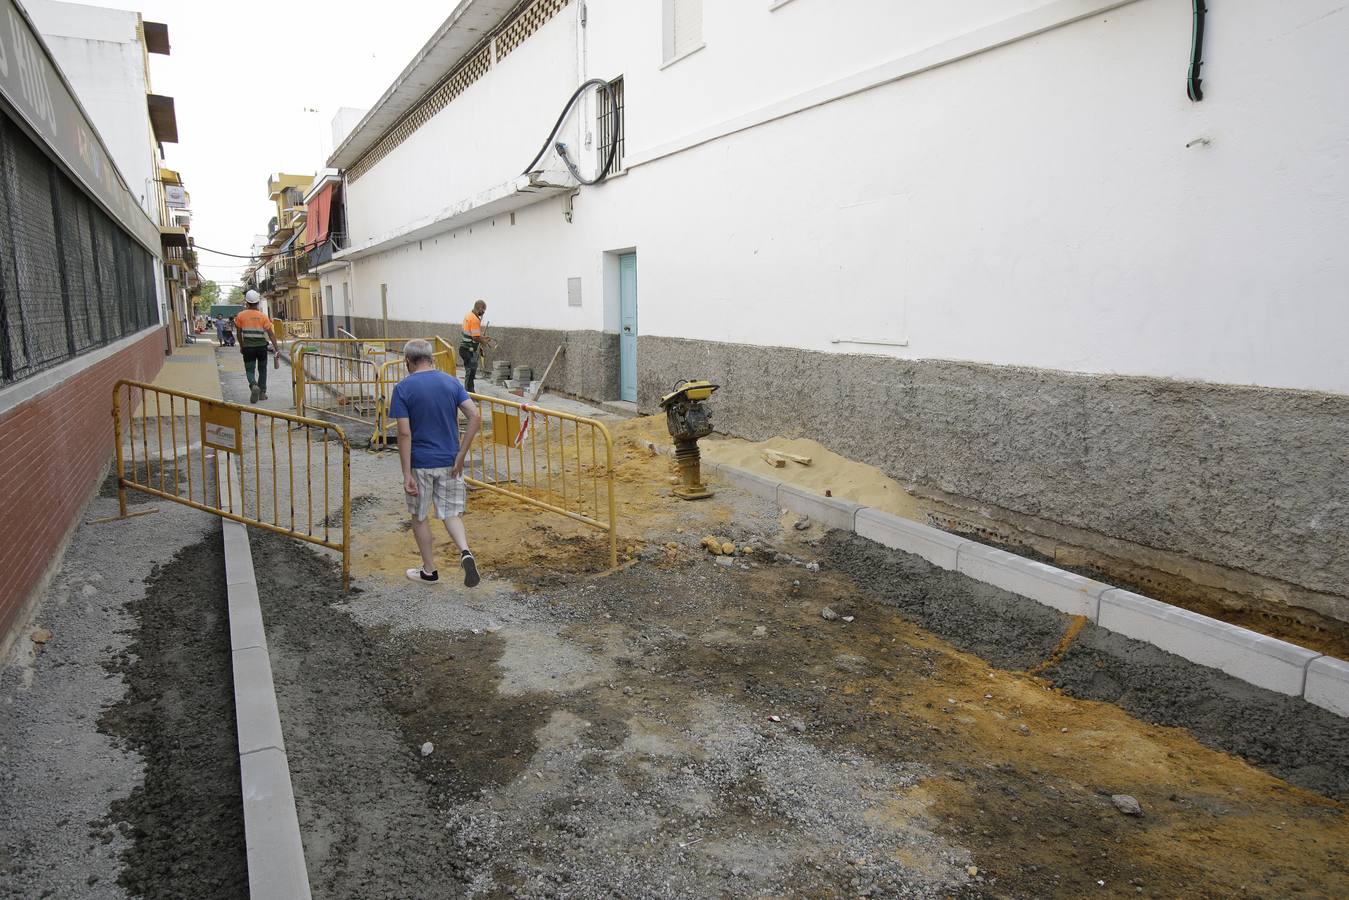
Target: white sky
[(241, 75)]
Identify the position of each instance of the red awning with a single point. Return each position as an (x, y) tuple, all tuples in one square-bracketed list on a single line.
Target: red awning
[(320, 214)]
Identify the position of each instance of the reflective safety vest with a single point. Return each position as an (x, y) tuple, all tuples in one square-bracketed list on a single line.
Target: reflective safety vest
[(472, 328), (254, 328)]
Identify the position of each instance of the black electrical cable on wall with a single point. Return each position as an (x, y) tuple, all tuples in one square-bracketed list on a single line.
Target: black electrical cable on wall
[(562, 148), (1193, 84)]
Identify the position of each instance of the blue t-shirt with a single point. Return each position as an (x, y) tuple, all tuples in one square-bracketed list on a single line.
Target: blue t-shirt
[(430, 400)]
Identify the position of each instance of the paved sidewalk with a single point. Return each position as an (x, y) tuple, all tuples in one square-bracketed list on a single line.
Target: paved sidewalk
[(191, 369)]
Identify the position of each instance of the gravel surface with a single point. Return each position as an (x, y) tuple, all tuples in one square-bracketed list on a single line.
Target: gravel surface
[(689, 728), (1285, 735), (60, 776)]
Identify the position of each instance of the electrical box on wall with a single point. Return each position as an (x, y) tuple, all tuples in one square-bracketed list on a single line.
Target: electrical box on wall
[(573, 292)]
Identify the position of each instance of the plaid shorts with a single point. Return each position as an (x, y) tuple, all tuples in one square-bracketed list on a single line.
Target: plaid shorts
[(439, 487)]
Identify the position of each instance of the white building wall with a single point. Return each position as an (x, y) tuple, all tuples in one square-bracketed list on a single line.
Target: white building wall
[(1056, 202), (484, 137), (100, 54)]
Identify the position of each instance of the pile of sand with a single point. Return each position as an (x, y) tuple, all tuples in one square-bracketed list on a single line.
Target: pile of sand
[(842, 477)]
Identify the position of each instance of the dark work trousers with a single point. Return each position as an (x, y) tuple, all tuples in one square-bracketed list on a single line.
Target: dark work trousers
[(470, 358), (256, 358)]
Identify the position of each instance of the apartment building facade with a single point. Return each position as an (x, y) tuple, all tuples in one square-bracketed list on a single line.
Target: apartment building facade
[(1061, 267)]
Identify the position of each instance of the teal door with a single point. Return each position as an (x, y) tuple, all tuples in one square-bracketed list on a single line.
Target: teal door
[(627, 327)]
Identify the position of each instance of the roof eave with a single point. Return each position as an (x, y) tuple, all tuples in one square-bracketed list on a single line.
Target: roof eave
[(459, 34)]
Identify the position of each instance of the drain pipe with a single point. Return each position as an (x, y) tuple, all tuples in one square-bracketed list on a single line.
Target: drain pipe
[(1193, 84)]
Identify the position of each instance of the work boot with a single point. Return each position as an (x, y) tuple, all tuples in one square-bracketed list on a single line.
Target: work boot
[(262, 396), (253, 393)]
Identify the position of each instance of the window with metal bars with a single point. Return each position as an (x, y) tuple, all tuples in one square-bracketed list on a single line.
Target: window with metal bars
[(70, 278), (610, 126)]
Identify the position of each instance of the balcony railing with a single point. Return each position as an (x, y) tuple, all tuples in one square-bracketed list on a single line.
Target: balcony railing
[(337, 240)]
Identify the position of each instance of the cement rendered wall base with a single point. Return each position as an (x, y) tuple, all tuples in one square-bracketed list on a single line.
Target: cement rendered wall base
[(1249, 482), (1253, 657), (587, 368)]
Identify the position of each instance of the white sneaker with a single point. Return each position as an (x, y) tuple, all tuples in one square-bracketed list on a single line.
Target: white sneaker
[(418, 575)]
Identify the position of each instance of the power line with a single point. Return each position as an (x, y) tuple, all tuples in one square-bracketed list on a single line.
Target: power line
[(294, 253)]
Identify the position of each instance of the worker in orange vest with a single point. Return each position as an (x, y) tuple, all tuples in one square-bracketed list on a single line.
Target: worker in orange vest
[(472, 341), (255, 331)]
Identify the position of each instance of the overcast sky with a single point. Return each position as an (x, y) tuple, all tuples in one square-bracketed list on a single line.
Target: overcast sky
[(242, 74)]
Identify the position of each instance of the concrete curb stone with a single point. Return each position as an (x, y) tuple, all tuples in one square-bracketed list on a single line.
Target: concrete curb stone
[(255, 712), (273, 837), (1253, 657), (832, 511), (276, 864), (246, 628), (1067, 592), (758, 485), (1328, 685), (938, 547)]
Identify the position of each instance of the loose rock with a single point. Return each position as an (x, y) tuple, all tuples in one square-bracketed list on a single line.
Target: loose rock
[(828, 614), (802, 523), (727, 561), (41, 636), (428, 748), (1126, 804), (760, 630)]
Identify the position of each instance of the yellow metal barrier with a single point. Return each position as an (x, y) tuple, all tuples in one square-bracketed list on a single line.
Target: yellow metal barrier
[(302, 328), (548, 459), (225, 435), (390, 373), (352, 379), (551, 460), (340, 376)]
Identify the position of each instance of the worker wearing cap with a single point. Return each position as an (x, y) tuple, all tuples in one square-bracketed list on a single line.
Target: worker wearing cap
[(471, 342), (255, 332)]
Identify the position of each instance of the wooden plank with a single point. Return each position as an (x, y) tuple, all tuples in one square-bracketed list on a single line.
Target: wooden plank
[(779, 458), (538, 388)]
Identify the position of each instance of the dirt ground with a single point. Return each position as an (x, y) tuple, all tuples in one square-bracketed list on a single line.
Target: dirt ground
[(870, 486), (186, 821), (684, 727)]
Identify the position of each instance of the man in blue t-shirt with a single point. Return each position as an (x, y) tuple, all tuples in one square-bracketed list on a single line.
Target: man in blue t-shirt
[(426, 405)]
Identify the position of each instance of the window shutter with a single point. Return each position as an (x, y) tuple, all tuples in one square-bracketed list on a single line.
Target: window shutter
[(688, 25)]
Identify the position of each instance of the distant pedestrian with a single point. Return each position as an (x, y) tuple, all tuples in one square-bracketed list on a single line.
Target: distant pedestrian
[(471, 342), (220, 330), (255, 332), (426, 405)]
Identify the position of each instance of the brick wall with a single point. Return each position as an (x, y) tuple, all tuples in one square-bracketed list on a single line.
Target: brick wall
[(53, 449)]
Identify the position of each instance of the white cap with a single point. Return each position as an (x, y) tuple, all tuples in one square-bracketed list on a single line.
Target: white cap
[(252, 297)]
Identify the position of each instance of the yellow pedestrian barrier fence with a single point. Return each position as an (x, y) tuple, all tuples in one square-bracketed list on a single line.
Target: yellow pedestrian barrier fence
[(300, 328), (352, 379), (390, 373), (270, 470), (340, 377), (548, 459)]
